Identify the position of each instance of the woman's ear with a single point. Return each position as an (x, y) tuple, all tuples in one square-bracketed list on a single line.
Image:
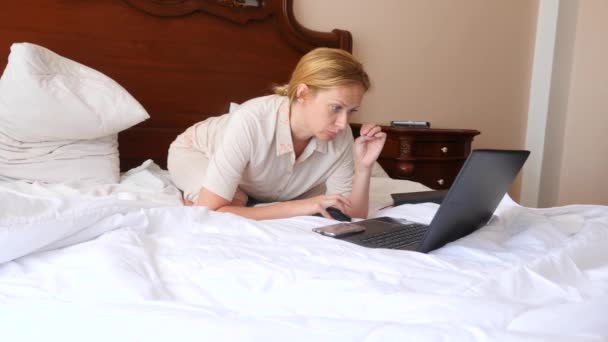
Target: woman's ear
[(301, 91)]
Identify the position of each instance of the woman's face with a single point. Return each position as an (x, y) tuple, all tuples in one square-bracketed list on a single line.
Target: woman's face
[(327, 111)]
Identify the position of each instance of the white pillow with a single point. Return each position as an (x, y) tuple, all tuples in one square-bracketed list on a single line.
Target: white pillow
[(233, 106), (381, 188), (94, 160), (378, 171), (44, 96), (59, 119)]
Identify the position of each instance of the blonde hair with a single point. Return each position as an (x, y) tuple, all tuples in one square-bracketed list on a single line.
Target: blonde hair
[(324, 68)]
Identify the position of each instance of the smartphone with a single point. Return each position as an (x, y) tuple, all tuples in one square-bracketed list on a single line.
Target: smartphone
[(339, 229)]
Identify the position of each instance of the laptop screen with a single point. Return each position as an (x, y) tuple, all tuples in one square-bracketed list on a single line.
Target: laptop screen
[(473, 197)]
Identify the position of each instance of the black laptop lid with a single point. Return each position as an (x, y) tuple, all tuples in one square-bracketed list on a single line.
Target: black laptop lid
[(481, 184)]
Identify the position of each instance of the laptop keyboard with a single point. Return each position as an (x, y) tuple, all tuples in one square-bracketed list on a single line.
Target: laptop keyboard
[(406, 235)]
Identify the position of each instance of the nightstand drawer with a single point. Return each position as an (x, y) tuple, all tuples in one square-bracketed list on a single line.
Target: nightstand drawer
[(429, 156), (434, 174), (447, 149), (418, 147)]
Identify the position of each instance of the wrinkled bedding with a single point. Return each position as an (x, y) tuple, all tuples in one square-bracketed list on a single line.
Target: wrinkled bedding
[(128, 262)]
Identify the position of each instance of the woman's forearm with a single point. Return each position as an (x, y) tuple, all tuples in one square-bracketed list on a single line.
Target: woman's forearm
[(266, 212), (359, 196), (300, 207)]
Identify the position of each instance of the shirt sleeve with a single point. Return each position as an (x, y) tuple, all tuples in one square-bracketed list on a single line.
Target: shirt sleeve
[(341, 179), (231, 156)]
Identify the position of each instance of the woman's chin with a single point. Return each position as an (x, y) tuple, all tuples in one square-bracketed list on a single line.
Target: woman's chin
[(326, 136)]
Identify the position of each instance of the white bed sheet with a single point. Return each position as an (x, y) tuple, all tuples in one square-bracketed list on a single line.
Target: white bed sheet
[(162, 271)]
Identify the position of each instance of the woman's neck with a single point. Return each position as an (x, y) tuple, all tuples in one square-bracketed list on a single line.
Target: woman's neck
[(299, 132)]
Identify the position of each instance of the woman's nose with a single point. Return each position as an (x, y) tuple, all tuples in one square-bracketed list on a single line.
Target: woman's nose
[(342, 120)]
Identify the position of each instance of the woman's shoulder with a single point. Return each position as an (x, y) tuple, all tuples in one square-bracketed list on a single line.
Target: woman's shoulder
[(262, 104), (258, 114)]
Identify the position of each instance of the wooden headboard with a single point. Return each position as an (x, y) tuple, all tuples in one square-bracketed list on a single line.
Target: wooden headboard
[(184, 60)]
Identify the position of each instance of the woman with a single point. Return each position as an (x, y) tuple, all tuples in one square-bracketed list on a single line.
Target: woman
[(294, 148)]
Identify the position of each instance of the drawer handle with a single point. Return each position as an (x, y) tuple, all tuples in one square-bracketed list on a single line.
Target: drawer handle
[(444, 149), (405, 169), (440, 181)]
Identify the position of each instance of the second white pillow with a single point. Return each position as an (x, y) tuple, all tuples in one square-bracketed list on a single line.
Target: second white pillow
[(44, 96)]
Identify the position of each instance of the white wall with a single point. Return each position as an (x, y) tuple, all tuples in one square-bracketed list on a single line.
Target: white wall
[(585, 154), (538, 107), (457, 64), (569, 135), (549, 185)]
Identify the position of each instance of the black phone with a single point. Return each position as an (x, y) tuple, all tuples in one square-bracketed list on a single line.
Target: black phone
[(335, 214)]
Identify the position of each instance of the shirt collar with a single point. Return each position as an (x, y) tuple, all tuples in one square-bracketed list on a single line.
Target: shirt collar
[(321, 146), (283, 130)]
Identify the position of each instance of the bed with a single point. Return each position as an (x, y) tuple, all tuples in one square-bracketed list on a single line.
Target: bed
[(124, 260)]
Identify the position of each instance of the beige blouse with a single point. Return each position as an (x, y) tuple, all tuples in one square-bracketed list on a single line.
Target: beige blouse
[(251, 148)]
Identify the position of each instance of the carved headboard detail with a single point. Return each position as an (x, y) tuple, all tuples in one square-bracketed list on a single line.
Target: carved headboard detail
[(184, 60), (232, 10), (238, 11)]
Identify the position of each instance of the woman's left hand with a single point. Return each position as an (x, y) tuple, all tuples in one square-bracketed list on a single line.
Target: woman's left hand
[(368, 145)]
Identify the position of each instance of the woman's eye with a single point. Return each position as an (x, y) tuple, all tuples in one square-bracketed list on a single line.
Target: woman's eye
[(335, 108), (352, 111)]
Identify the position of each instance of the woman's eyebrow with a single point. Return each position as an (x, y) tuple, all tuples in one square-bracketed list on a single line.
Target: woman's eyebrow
[(344, 104)]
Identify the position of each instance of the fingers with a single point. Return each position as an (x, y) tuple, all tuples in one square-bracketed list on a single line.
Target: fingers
[(380, 136), (365, 128), (337, 201), (325, 214), (340, 206), (370, 132), (369, 129), (340, 202), (366, 150)]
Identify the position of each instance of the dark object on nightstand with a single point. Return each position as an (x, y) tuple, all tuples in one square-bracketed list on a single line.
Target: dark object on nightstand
[(434, 196), (411, 124), (429, 156)]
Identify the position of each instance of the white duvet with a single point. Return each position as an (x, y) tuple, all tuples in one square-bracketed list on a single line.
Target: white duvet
[(128, 263)]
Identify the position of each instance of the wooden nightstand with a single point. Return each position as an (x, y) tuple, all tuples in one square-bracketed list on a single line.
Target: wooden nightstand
[(432, 157)]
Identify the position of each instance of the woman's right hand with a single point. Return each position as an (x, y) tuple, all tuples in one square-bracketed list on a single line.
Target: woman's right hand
[(319, 204)]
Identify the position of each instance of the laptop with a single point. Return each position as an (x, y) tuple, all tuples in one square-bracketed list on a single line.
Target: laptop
[(469, 204)]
